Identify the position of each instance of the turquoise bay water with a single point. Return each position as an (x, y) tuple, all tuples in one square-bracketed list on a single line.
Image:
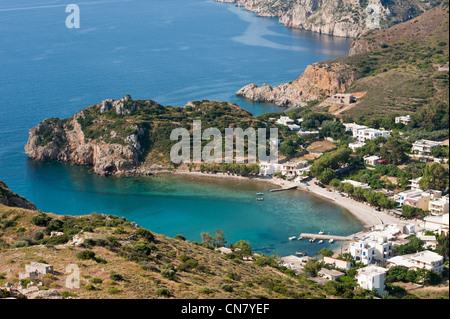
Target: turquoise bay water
[(171, 51)]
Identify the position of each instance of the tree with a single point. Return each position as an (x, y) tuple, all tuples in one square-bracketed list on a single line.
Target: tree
[(242, 249), (395, 151), (287, 148), (442, 246), (327, 175), (335, 130), (206, 238), (313, 266), (434, 177), (324, 252), (219, 238)]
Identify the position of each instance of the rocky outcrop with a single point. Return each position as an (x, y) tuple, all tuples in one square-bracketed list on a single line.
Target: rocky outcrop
[(344, 18), (64, 140), (9, 198), (318, 81)]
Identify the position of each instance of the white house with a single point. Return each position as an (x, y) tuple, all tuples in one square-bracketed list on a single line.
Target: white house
[(354, 128), (331, 274), (287, 121), (338, 263), (424, 259), (424, 147), (372, 249), (356, 145), (415, 183), (341, 98), (403, 119), (372, 160), (438, 206), (437, 224), (416, 198), (372, 277), (294, 263), (371, 134)]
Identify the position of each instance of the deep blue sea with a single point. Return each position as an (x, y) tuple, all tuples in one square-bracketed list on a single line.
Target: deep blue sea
[(171, 51)]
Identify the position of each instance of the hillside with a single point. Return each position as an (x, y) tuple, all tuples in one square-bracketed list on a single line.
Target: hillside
[(345, 18), (398, 70), (118, 259), (128, 137)]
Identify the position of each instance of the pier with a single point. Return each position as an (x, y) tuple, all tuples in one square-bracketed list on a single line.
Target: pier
[(283, 189), (327, 237)]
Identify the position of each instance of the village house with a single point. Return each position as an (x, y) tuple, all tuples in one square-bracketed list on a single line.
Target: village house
[(341, 98), (372, 249), (373, 160), (424, 147), (403, 119), (287, 121), (415, 198), (424, 259), (415, 183), (354, 128), (372, 278), (355, 145), (294, 263), (438, 224), (330, 274), (439, 206), (371, 134), (36, 270), (338, 263)]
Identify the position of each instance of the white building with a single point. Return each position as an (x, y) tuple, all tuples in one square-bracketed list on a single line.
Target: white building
[(371, 134), (356, 145), (330, 274), (287, 121), (373, 249), (338, 263), (416, 198), (341, 98), (438, 206), (424, 147), (294, 263), (372, 277), (372, 160), (437, 224), (424, 259), (403, 119), (354, 128), (415, 183), (357, 184)]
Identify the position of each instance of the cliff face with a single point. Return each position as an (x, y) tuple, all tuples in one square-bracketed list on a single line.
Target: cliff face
[(345, 18), (318, 81), (9, 198)]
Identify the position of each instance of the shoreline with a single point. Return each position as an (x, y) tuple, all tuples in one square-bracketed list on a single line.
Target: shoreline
[(363, 212)]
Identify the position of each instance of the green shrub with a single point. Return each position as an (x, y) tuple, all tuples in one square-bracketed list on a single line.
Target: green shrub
[(227, 287), (163, 292), (40, 220), (90, 287), (96, 280), (116, 277), (86, 254)]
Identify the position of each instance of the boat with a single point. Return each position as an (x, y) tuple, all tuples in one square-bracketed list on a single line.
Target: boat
[(320, 241), (300, 238), (260, 199), (292, 238), (331, 241), (312, 240), (259, 194), (300, 253), (321, 232)]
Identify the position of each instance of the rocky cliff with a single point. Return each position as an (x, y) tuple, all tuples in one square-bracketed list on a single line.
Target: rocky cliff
[(9, 198), (345, 18), (318, 81)]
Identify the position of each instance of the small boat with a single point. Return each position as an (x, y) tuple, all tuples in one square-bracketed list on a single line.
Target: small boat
[(321, 232), (260, 199), (292, 238), (300, 253), (331, 241), (312, 240), (320, 241), (259, 194), (300, 238)]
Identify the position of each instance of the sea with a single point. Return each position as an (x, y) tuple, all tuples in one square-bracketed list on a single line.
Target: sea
[(170, 51)]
